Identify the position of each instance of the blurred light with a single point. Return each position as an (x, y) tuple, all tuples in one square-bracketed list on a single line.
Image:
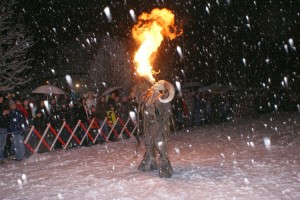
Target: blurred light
[(132, 14), (132, 116), (69, 80), (178, 48), (108, 14), (178, 86), (267, 142)]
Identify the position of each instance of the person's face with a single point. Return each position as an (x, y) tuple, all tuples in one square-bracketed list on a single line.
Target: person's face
[(1, 99), (113, 95), (102, 99), (13, 106), (90, 96), (25, 102), (93, 109)]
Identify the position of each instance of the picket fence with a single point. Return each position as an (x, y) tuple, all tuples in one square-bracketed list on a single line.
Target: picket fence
[(118, 127)]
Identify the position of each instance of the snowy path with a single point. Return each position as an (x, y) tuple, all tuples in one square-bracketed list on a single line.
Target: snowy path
[(226, 161)]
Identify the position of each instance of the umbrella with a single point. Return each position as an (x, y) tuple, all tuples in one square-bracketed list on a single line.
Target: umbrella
[(48, 89), (5, 88), (192, 84), (110, 90)]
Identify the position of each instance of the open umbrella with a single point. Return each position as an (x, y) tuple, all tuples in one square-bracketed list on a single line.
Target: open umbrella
[(5, 88), (48, 89), (110, 90)]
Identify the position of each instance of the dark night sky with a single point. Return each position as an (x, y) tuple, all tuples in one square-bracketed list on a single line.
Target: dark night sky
[(238, 41)]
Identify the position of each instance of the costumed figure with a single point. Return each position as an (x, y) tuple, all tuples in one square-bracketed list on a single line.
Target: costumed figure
[(155, 111)]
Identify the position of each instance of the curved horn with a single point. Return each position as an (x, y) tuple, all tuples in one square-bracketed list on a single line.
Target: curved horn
[(168, 86)]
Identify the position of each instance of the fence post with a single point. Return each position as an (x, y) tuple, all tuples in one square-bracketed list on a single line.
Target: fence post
[(57, 136), (112, 129), (42, 139), (86, 130), (27, 138), (100, 131), (124, 128), (72, 134), (135, 127)]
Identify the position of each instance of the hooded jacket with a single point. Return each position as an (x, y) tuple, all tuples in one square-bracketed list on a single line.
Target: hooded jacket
[(17, 123)]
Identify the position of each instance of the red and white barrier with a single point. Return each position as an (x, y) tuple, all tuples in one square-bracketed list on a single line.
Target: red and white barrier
[(94, 123)]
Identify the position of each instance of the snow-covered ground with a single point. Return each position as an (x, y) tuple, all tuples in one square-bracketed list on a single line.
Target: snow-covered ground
[(243, 159)]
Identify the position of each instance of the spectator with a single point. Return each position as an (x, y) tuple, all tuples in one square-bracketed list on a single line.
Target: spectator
[(67, 116), (81, 113), (26, 106), (90, 101), (111, 102), (93, 113), (101, 115), (4, 113), (42, 108), (101, 108), (40, 124), (22, 109), (196, 115), (54, 113), (16, 126), (177, 108)]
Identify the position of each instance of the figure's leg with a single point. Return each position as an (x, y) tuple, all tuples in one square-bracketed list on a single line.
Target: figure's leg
[(18, 141), (149, 160), (165, 168)]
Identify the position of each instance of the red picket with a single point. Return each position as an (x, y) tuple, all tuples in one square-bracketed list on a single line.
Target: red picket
[(39, 136), (96, 124), (29, 147), (55, 133), (126, 129), (115, 132), (70, 131), (85, 130)]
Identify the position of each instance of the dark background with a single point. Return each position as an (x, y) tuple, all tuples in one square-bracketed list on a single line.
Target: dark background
[(241, 42)]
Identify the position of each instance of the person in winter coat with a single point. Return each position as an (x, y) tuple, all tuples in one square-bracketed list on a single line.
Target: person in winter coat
[(16, 126), (81, 113), (4, 112), (90, 101), (26, 106), (40, 124)]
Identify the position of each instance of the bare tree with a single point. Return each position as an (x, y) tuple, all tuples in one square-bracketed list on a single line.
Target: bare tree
[(111, 65), (15, 44)]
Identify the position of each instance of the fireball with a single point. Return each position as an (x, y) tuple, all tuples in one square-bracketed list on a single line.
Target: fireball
[(149, 33)]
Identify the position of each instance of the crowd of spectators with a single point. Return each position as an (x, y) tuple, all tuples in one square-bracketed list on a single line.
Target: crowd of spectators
[(18, 114), (192, 109)]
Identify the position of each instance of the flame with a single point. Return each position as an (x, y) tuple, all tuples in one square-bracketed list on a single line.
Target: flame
[(149, 32)]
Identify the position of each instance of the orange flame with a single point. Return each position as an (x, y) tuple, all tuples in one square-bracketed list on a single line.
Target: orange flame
[(149, 32)]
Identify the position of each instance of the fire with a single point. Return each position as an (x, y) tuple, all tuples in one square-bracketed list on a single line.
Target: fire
[(149, 32)]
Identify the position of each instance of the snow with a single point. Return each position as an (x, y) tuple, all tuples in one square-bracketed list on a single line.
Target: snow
[(243, 159)]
